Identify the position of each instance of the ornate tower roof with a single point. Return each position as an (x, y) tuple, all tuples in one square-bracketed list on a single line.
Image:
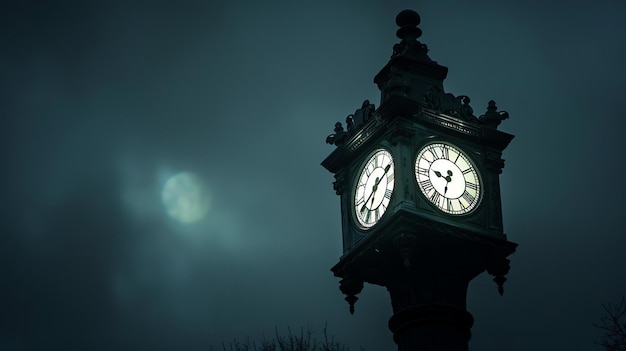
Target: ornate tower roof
[(411, 84), (410, 71)]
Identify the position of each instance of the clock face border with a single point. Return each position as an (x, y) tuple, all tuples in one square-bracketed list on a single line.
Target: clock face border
[(373, 189), (436, 165)]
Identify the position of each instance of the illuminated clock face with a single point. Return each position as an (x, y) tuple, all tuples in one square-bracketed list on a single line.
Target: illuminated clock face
[(447, 178), (374, 187)]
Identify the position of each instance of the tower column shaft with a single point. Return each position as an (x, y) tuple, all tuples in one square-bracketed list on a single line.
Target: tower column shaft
[(430, 315)]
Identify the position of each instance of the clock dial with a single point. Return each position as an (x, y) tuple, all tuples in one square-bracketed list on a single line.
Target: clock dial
[(447, 178), (374, 187)]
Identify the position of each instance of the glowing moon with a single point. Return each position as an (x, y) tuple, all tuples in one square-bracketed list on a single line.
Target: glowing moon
[(185, 198)]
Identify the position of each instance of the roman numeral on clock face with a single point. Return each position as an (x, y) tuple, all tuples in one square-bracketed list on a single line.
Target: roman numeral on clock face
[(360, 202), (433, 151), (422, 171), (435, 198), (427, 185), (461, 206), (467, 197), (472, 186), (445, 152), (457, 157)]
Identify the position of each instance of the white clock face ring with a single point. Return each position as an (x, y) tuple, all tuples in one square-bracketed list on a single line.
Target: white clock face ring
[(374, 187), (447, 178)]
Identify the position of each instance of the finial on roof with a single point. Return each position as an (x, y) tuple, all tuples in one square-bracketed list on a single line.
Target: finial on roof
[(408, 20)]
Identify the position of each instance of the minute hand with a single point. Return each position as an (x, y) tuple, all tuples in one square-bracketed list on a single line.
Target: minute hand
[(374, 188)]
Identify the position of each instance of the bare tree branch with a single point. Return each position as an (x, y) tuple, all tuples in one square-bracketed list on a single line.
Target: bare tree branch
[(613, 322), (303, 341)]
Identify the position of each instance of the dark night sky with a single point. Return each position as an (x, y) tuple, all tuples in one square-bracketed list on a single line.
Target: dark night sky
[(103, 101)]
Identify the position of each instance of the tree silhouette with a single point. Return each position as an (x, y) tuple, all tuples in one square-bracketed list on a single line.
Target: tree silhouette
[(306, 340), (614, 325)]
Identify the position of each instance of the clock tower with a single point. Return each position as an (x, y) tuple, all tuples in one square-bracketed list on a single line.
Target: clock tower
[(418, 180)]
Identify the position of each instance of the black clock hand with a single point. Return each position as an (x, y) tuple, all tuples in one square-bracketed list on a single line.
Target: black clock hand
[(371, 194), (387, 168), (375, 187), (448, 179)]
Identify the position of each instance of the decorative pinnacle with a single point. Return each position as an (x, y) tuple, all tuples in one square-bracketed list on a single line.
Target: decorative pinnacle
[(408, 20), (499, 269), (493, 118), (351, 287)]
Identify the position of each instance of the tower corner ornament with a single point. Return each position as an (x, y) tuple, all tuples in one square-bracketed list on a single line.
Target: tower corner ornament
[(419, 187)]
